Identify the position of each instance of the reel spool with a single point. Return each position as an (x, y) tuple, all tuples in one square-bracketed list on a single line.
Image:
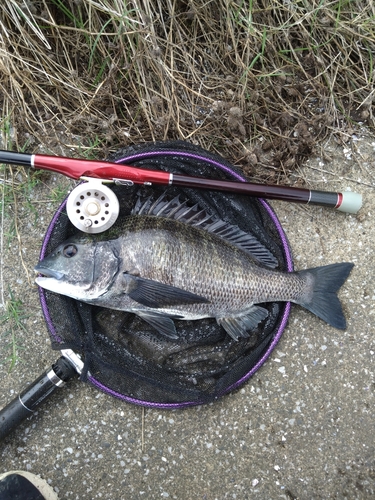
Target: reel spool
[(92, 207)]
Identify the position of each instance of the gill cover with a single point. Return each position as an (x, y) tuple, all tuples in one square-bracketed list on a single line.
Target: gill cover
[(79, 269)]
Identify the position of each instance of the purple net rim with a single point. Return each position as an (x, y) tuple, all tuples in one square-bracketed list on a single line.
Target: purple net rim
[(287, 254)]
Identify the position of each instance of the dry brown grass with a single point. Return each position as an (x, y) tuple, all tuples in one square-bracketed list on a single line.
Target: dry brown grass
[(260, 82)]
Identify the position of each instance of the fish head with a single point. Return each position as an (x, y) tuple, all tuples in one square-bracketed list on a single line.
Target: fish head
[(81, 268)]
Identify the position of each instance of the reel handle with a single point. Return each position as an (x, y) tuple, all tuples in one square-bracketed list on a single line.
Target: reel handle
[(36, 393)]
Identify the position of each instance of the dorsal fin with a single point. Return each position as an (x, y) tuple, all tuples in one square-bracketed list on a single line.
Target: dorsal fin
[(184, 212)]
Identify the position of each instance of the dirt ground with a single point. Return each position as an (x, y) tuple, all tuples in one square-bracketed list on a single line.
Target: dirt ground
[(301, 428)]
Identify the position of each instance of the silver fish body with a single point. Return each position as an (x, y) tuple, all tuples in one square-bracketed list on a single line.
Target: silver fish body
[(162, 269)]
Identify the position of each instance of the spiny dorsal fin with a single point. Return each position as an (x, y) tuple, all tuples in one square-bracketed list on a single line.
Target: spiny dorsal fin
[(195, 216)]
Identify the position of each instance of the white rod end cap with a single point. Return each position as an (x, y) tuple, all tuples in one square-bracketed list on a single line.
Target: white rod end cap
[(351, 202)]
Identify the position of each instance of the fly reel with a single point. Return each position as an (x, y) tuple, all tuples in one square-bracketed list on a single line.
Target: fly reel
[(92, 207)]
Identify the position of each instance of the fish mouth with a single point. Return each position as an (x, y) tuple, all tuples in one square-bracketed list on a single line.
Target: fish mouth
[(48, 273)]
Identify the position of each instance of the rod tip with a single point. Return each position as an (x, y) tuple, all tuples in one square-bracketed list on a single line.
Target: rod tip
[(350, 203)]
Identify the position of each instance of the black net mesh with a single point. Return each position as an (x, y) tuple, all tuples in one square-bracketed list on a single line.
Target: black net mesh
[(126, 356)]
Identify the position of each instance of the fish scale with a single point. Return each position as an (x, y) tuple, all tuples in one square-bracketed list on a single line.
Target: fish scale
[(220, 269)]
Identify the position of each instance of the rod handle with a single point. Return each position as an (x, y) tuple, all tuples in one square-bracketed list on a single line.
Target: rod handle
[(12, 158), (36, 393)]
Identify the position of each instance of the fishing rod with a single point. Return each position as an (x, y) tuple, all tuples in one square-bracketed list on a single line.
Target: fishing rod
[(92, 208)]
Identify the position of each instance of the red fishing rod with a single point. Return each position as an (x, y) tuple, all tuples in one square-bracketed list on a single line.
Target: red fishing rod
[(118, 173)]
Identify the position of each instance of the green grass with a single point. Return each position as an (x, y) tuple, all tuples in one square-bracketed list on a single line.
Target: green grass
[(6, 190), (13, 317), (92, 150), (16, 189), (17, 200)]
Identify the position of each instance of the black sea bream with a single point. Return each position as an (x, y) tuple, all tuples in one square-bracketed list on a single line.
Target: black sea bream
[(163, 269)]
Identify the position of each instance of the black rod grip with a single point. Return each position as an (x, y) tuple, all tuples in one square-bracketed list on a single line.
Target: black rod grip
[(36, 393), (11, 158), (324, 198)]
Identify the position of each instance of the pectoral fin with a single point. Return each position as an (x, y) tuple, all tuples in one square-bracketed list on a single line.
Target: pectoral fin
[(238, 326), (154, 294)]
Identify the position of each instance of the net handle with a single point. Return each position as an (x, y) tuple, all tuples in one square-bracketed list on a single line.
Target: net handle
[(29, 400)]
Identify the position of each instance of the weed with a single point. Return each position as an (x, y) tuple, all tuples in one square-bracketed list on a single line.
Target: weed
[(92, 150), (58, 194), (133, 72), (13, 316)]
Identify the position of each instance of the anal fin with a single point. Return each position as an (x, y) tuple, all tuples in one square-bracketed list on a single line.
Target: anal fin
[(238, 326)]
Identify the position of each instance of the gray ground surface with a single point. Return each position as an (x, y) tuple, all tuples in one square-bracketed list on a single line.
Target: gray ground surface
[(301, 428)]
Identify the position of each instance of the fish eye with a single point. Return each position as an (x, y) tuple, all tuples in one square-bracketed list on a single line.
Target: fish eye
[(70, 250)]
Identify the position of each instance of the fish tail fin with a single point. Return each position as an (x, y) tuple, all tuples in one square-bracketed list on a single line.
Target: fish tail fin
[(324, 283)]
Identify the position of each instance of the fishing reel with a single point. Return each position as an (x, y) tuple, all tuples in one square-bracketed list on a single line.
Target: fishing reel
[(92, 207)]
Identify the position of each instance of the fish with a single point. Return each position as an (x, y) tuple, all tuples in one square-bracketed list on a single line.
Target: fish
[(171, 261)]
